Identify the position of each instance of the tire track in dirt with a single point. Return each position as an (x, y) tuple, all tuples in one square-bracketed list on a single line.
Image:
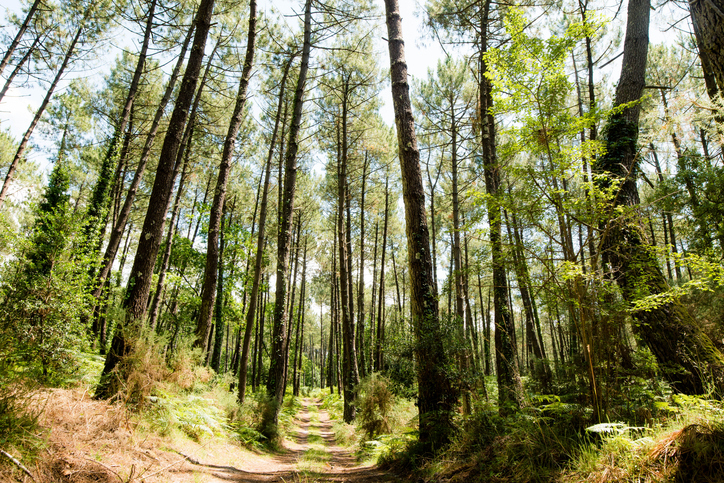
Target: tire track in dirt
[(289, 465)]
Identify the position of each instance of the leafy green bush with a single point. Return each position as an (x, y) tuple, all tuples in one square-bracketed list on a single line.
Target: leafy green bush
[(195, 415), (374, 402), (42, 295)]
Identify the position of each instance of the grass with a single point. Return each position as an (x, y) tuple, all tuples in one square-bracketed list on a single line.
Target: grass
[(315, 460)]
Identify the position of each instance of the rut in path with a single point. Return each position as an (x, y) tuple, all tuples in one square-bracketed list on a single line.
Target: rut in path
[(311, 456)]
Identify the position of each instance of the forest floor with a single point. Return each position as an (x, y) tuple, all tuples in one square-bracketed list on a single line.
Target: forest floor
[(95, 441)]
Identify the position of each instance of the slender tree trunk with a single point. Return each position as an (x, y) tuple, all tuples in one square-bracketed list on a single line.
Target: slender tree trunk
[(332, 315), (348, 353), (275, 382), (19, 66), (510, 390), (16, 41), (361, 285), (260, 242), (379, 340), (218, 314), (436, 397), (211, 270), (100, 200), (39, 113), (300, 323)]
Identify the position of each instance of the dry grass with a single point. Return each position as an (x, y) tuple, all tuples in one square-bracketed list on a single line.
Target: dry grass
[(89, 441)]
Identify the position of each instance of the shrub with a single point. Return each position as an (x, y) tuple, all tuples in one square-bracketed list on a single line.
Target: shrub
[(374, 400)]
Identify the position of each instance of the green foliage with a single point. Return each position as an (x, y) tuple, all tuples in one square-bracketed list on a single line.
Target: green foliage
[(195, 415), (690, 447), (42, 296), (374, 402)]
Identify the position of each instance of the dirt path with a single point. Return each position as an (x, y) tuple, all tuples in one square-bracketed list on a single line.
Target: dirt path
[(311, 455)]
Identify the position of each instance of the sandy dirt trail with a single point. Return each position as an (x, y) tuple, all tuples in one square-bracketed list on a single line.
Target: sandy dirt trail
[(311, 455)]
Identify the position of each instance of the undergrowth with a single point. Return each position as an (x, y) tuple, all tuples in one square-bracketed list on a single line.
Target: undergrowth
[(555, 442)]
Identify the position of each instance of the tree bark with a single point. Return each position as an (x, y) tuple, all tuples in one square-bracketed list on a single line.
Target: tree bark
[(100, 200), (21, 31), (349, 363), (707, 18), (687, 357), (208, 290), (150, 240), (124, 213), (510, 389), (260, 242), (275, 383), (437, 397)]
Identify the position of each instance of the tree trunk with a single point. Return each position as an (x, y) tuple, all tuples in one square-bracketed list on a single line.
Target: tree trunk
[(208, 290), (510, 389), (687, 357), (260, 242), (708, 21), (21, 31), (219, 302), (275, 382), (155, 304), (437, 397), (39, 113), (150, 240), (349, 358), (19, 66), (99, 201), (361, 286), (380, 339), (124, 213)]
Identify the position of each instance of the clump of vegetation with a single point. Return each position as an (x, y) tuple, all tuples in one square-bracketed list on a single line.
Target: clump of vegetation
[(374, 402), (42, 296), (18, 422)]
